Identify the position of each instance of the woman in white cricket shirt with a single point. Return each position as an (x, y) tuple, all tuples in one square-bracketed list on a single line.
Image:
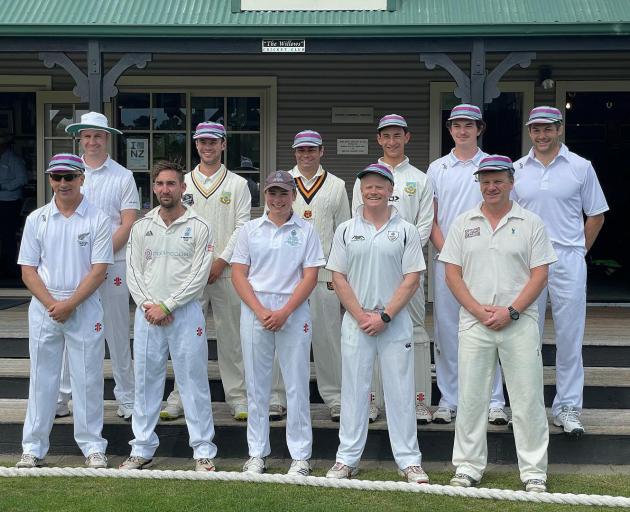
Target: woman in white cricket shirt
[(274, 270)]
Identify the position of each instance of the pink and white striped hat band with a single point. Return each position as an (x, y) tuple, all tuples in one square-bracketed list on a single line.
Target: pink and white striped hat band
[(307, 138), (495, 163), (65, 162), (379, 169), (391, 120), (466, 111), (544, 115), (209, 130)]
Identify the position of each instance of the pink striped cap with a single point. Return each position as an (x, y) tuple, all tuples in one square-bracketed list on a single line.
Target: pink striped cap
[(391, 120), (544, 115), (495, 163), (466, 111), (65, 162), (209, 130), (307, 138)]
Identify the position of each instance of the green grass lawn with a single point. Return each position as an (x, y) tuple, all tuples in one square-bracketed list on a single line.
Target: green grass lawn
[(95, 494)]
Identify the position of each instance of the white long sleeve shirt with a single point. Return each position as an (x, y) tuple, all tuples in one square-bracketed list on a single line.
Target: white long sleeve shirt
[(323, 202), (223, 200), (169, 264), (412, 197)]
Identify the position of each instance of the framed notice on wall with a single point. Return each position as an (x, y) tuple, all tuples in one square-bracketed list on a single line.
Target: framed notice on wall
[(137, 154)]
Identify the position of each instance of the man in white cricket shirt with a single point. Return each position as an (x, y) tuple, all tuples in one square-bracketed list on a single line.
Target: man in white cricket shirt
[(497, 257), (456, 192), (110, 187), (321, 200), (413, 198), (376, 261), (168, 262), (562, 187), (65, 251), (222, 198)]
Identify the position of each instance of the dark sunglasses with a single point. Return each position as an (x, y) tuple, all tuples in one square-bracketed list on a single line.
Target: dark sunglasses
[(67, 177)]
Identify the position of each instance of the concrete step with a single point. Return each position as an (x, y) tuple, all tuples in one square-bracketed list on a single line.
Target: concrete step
[(605, 387), (607, 438)]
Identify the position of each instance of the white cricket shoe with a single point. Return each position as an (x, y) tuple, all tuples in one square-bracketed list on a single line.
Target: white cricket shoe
[(299, 468), (497, 416), (341, 472), (536, 485), (96, 460), (204, 464), (569, 420), (29, 461), (171, 412), (135, 462), (255, 465), (443, 415), (414, 475)]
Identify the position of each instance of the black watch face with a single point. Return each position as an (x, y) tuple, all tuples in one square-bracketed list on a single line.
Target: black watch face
[(514, 315), (385, 317)]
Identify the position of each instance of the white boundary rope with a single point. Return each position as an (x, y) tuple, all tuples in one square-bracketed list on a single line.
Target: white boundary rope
[(314, 481)]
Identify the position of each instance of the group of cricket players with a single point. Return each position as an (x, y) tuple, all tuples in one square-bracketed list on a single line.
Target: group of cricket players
[(345, 277)]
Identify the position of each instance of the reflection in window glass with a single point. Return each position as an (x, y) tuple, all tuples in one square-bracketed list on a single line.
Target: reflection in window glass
[(170, 146), (57, 118), (243, 114), (169, 111), (133, 111), (243, 157), (143, 182), (206, 109)]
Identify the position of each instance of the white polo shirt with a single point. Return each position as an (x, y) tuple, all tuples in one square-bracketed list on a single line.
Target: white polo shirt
[(224, 201), (560, 194), (111, 188), (323, 202), (454, 186), (64, 248), (277, 255), (169, 264), (496, 264), (376, 261), (412, 196)]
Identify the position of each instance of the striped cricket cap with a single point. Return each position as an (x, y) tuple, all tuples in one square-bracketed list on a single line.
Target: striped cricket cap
[(495, 163), (379, 169), (544, 115), (209, 130), (64, 162), (391, 120), (307, 138), (466, 111)]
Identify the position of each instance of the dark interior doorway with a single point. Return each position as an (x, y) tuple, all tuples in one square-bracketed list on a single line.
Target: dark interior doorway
[(598, 128)]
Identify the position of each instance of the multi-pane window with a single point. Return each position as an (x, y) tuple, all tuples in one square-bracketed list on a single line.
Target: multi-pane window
[(159, 125)]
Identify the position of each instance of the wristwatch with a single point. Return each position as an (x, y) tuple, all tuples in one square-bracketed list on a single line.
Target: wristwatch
[(514, 315), (385, 317)]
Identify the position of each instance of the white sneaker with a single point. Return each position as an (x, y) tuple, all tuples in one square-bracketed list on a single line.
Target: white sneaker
[(463, 480), (171, 412), (335, 413), (443, 415), (277, 412), (341, 472), (240, 412), (96, 460), (497, 416), (125, 411), (135, 462), (255, 465), (373, 413), (414, 475), (536, 485), (569, 420), (204, 464), (29, 461), (299, 468), (62, 410), (423, 414)]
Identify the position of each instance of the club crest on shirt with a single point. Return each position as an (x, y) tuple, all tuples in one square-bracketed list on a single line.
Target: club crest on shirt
[(293, 240), (411, 188), (226, 197), (187, 234), (81, 239), (308, 214), (148, 254), (188, 199), (469, 233), (392, 236)]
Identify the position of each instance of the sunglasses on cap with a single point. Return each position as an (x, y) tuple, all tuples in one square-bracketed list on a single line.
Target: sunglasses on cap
[(66, 177)]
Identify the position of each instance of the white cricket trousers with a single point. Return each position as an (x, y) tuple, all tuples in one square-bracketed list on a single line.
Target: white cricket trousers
[(422, 353), (185, 339), (326, 318), (395, 358), (566, 287), (82, 334), (115, 300), (226, 312), (518, 348), (446, 327), (292, 344)]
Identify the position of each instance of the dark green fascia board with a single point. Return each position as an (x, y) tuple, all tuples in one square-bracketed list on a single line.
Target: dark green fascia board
[(301, 31)]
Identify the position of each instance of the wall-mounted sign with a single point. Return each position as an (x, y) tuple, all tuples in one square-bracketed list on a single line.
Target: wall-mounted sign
[(352, 115), (283, 45), (137, 154), (352, 146), (314, 5)]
